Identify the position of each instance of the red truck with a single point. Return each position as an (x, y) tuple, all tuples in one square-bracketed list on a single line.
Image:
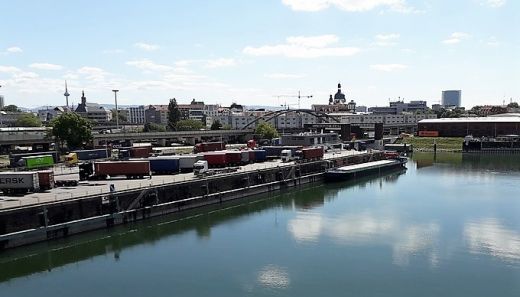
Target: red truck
[(216, 159), (233, 158), (209, 147), (140, 152), (312, 153), (46, 179), (101, 170)]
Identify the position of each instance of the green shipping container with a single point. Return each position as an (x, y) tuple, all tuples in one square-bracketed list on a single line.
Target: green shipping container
[(34, 162)]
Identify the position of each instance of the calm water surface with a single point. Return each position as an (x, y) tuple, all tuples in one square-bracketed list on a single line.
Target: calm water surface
[(448, 226)]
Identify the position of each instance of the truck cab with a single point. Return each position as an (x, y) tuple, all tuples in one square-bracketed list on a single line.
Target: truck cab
[(287, 156), (71, 159), (200, 168)]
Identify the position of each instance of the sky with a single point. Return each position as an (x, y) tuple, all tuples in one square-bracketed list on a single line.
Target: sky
[(259, 52)]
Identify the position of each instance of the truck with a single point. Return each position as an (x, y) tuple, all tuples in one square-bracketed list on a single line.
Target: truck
[(19, 182), (73, 158), (46, 179), (276, 151), (35, 162), (311, 154), (140, 151), (163, 151), (164, 165), (233, 158), (14, 159), (209, 147), (201, 169), (260, 155), (244, 157), (288, 155), (105, 169), (186, 162)]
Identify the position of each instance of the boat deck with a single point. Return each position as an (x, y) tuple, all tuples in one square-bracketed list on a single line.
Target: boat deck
[(365, 166)]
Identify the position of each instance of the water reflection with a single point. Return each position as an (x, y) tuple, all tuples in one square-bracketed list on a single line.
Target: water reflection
[(274, 277), (488, 236)]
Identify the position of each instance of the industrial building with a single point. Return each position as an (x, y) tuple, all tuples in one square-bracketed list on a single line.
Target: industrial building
[(508, 124), (451, 98), (310, 139)]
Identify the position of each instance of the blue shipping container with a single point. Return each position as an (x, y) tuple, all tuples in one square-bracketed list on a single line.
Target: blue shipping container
[(260, 155), (92, 154), (164, 165)]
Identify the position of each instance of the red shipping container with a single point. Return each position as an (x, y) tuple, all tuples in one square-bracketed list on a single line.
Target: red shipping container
[(216, 159), (312, 153), (209, 147), (140, 152), (127, 168), (233, 158), (46, 179)]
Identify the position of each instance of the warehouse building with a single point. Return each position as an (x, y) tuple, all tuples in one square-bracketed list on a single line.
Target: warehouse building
[(507, 124)]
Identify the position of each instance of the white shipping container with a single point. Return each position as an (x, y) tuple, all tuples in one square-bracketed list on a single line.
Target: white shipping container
[(19, 180)]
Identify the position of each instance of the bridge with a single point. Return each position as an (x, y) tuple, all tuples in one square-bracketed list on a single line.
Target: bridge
[(323, 117)]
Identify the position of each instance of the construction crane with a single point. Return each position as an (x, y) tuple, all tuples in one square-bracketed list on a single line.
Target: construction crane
[(299, 96)]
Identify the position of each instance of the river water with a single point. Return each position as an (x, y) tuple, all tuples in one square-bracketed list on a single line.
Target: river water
[(448, 226)]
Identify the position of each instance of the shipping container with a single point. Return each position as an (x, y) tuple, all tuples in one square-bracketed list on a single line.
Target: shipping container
[(186, 162), (276, 151), (19, 182), (35, 162), (164, 165), (233, 158), (46, 179), (260, 155), (312, 153), (244, 157), (85, 155), (140, 152), (14, 159), (209, 147), (130, 169), (216, 159)]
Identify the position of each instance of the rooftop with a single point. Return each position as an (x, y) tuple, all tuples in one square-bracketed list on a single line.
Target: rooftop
[(493, 119)]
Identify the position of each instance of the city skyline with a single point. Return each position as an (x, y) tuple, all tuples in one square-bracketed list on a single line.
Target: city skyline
[(253, 52)]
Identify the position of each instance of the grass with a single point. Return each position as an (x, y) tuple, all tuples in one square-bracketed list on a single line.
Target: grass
[(452, 144)]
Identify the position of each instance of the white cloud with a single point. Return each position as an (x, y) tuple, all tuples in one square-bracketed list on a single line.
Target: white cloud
[(14, 49), (222, 62), (146, 46), (388, 67), (9, 69), (284, 76), (488, 236), (456, 37), (495, 3), (93, 73), (304, 47), (386, 39), (348, 5), (149, 65), (492, 41), (46, 66)]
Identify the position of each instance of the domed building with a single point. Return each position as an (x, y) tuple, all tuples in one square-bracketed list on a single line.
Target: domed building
[(337, 103)]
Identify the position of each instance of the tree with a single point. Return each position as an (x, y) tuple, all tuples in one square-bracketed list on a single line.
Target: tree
[(11, 108), (153, 127), (216, 125), (122, 117), (189, 125), (266, 130), (72, 129), (174, 114), (513, 105), (28, 120)]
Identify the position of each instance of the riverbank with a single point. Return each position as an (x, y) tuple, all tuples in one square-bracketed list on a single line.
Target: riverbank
[(425, 144)]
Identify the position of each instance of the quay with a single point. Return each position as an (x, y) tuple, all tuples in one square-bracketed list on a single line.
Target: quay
[(90, 206)]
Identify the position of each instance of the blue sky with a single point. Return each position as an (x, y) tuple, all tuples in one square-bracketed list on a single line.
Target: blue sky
[(252, 51)]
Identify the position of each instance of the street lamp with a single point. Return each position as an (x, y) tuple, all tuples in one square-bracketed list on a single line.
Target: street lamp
[(117, 111)]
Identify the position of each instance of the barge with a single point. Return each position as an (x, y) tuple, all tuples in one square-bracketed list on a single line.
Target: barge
[(352, 171)]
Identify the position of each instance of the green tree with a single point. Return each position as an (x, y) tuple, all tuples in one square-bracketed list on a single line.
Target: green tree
[(226, 127), (72, 129), (189, 125), (216, 125), (122, 117), (266, 130), (174, 114), (11, 107), (513, 105), (153, 127), (28, 120)]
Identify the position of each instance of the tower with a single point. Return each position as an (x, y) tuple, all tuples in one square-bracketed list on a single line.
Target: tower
[(83, 98), (66, 94)]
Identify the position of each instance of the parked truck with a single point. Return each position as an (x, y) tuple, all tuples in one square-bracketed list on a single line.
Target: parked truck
[(311, 154), (105, 169), (209, 147), (186, 162), (19, 182), (73, 158), (15, 159), (276, 151), (201, 169)]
